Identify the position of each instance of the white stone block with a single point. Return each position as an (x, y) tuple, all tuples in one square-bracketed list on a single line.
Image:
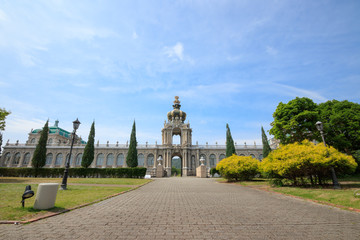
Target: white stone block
[(46, 195)]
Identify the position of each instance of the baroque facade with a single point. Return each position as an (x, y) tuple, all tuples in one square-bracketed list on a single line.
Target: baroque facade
[(114, 155)]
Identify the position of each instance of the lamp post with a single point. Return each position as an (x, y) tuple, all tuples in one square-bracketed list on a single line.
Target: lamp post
[(319, 126), (76, 125)]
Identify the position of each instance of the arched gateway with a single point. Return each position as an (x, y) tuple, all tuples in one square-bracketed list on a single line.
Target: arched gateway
[(176, 141)]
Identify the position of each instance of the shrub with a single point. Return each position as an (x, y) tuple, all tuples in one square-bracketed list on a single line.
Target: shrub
[(213, 171), (299, 160), (75, 172), (237, 168)]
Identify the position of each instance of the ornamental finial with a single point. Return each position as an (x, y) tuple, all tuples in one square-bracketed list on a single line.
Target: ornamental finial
[(176, 99)]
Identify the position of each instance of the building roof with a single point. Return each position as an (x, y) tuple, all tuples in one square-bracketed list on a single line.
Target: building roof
[(56, 129)]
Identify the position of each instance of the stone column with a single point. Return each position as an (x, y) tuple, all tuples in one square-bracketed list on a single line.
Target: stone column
[(22, 158), (52, 165)]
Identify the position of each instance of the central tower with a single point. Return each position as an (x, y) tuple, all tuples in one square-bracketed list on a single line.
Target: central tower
[(176, 126)]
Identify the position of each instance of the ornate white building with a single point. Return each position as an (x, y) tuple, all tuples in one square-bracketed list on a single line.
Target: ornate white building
[(114, 155)]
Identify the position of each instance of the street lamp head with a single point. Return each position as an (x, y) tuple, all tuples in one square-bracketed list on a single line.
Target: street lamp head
[(27, 194), (319, 126), (76, 124)]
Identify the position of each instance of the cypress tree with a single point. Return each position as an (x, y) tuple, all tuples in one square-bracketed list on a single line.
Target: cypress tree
[(230, 147), (1, 137), (131, 158), (39, 157), (266, 146), (88, 156)]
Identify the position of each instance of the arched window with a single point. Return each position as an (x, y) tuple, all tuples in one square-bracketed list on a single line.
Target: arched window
[(59, 159), (26, 159), (100, 159), (78, 159), (50, 141), (120, 160), (212, 159), (49, 158), (32, 140), (241, 155), (110, 159), (204, 156), (150, 160), (221, 157), (261, 157), (252, 155), (7, 159), (141, 159), (16, 159)]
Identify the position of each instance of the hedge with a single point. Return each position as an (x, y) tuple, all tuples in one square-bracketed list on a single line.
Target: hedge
[(75, 172)]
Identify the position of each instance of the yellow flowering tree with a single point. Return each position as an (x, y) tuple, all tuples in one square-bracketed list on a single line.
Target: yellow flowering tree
[(237, 168), (299, 160)]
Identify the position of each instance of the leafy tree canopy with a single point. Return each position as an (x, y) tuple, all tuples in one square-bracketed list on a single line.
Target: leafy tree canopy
[(341, 121), (3, 114), (295, 121)]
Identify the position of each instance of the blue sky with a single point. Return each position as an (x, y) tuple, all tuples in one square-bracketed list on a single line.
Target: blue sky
[(116, 61)]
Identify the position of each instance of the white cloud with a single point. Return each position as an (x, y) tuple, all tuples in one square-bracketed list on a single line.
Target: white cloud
[(18, 127), (299, 92), (27, 60), (87, 33), (176, 51), (134, 35), (271, 51), (67, 71), (3, 16), (212, 90), (233, 58)]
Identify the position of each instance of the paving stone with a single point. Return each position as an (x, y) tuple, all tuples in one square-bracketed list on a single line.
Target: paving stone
[(194, 208)]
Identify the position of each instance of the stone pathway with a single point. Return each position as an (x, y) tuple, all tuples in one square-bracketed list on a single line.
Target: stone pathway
[(193, 208)]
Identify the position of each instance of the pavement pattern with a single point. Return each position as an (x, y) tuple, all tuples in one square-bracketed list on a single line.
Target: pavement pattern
[(195, 208)]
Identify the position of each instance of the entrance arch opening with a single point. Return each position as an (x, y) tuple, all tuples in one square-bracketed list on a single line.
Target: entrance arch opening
[(176, 140), (176, 163), (176, 135)]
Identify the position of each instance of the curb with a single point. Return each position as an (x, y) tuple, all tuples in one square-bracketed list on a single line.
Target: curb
[(70, 209)]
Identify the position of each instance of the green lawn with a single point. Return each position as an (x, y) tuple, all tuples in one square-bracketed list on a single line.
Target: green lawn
[(12, 189), (118, 181), (344, 197)]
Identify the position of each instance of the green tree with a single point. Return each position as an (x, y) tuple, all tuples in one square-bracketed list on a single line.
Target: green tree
[(1, 140), (266, 146), (39, 157), (295, 121), (341, 121), (356, 156), (88, 156), (3, 114), (230, 147), (131, 158)]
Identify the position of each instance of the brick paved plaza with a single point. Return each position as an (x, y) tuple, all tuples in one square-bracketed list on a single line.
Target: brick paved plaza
[(194, 208)]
